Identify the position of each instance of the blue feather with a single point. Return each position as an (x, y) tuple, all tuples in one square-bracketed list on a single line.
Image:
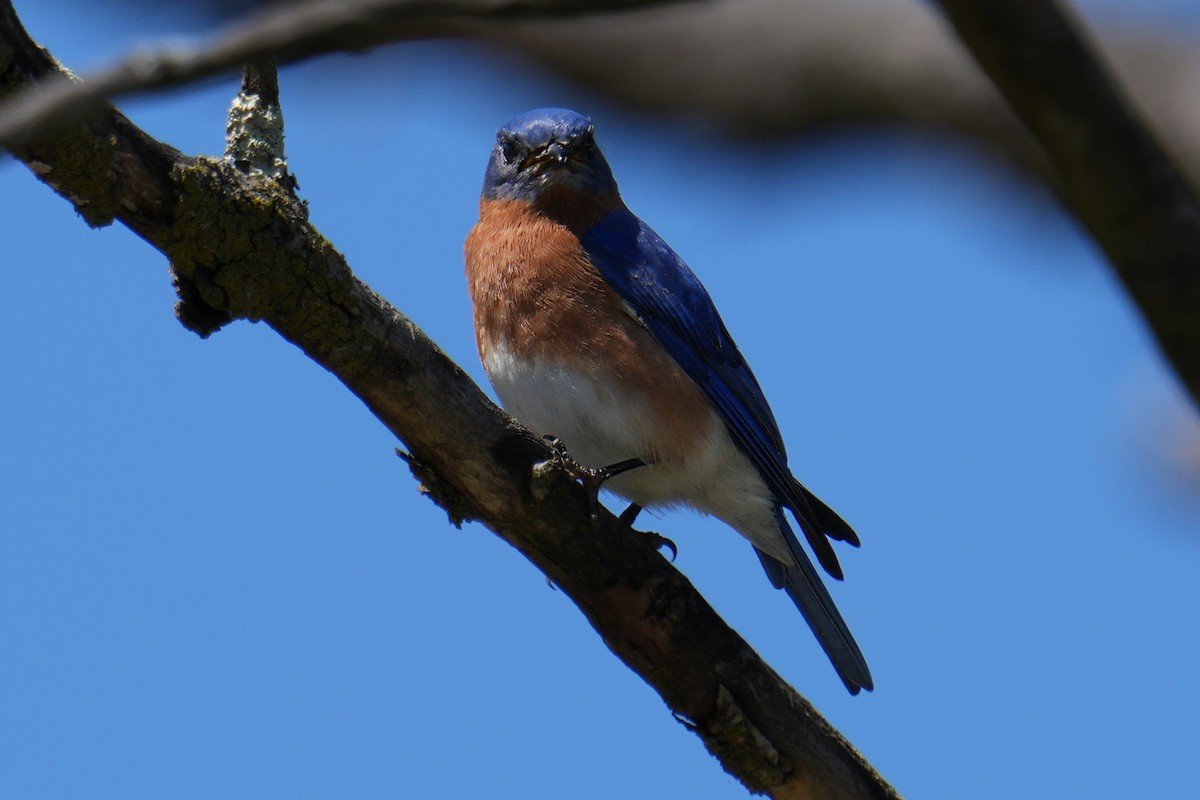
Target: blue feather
[(670, 301)]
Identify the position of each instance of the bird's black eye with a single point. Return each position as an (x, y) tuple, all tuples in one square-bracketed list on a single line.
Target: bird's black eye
[(509, 149)]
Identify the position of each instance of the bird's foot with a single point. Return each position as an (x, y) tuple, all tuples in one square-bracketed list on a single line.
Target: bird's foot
[(657, 539), (591, 478)]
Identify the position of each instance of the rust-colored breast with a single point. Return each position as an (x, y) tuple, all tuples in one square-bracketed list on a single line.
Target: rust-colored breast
[(537, 294), (531, 283)]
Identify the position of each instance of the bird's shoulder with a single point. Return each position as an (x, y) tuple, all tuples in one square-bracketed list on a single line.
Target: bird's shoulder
[(658, 285), (673, 304)]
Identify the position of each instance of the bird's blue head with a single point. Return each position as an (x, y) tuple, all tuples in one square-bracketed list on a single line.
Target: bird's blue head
[(544, 151)]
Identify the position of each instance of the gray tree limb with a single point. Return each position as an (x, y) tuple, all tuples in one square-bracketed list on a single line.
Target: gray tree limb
[(241, 247)]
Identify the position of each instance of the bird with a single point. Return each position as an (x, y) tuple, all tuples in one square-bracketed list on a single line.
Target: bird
[(592, 330)]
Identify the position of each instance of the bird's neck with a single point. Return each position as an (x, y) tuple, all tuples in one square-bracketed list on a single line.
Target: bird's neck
[(577, 211)]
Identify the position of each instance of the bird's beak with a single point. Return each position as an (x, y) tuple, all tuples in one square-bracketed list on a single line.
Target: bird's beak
[(553, 153)]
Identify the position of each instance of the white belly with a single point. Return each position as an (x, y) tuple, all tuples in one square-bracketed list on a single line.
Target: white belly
[(600, 426)]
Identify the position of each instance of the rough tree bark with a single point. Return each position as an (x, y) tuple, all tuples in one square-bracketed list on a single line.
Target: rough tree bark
[(241, 247)]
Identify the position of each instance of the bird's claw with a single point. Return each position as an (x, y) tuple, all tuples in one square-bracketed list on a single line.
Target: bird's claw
[(659, 541), (591, 478)]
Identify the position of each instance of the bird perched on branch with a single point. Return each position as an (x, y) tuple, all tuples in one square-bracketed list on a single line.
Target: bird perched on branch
[(592, 329)]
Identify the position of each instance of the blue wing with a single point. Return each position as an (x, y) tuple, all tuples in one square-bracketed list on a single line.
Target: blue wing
[(670, 301)]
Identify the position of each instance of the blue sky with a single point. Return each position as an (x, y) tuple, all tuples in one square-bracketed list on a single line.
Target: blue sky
[(216, 579)]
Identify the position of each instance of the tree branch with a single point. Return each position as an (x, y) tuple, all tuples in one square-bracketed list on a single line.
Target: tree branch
[(766, 68), (776, 68), (286, 32), (1113, 172), (244, 249), (758, 67)]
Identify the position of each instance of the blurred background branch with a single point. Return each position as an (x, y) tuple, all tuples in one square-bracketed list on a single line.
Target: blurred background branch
[(769, 68), (286, 32), (1114, 176), (753, 68), (776, 68)]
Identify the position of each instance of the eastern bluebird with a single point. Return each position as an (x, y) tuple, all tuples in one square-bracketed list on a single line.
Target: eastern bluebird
[(592, 329)]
